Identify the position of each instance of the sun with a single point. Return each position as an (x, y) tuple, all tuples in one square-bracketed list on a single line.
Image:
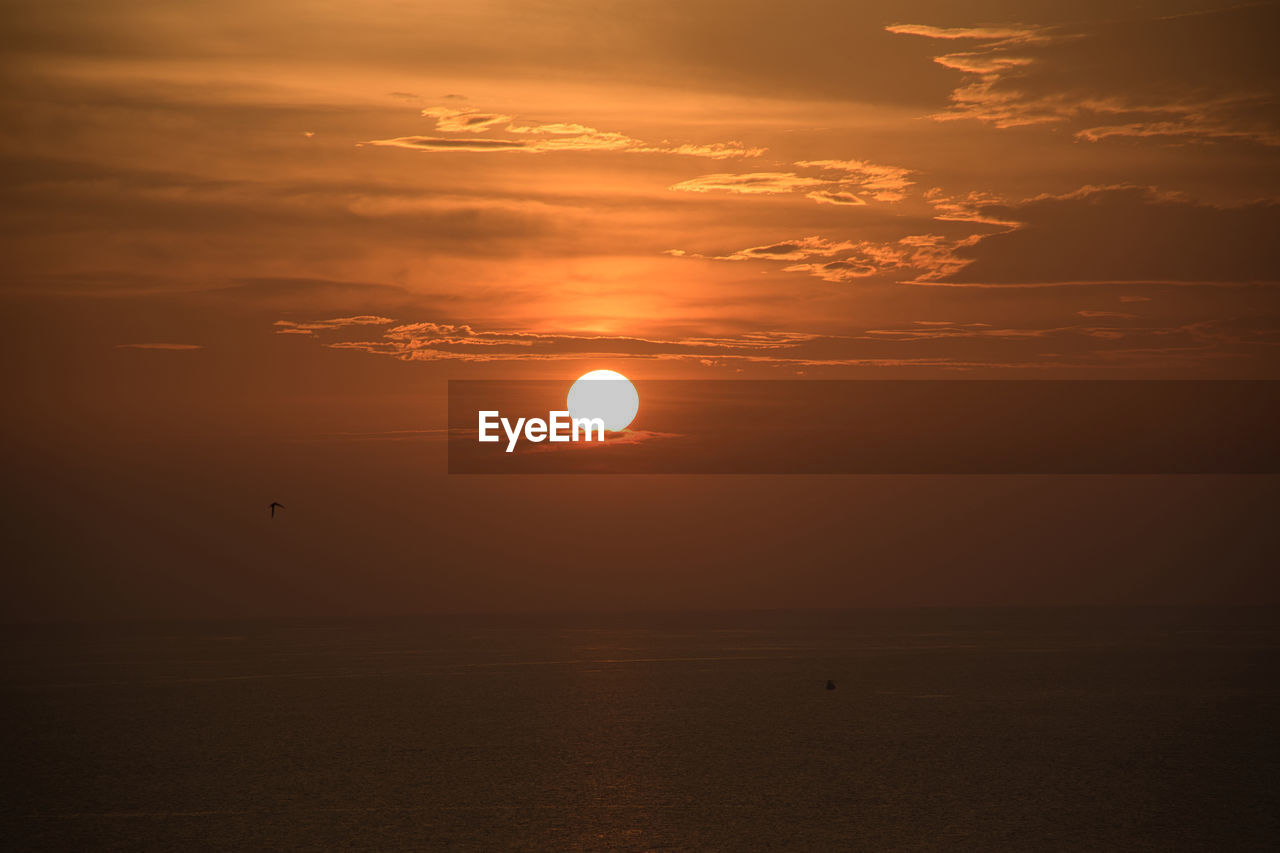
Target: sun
[(604, 394)]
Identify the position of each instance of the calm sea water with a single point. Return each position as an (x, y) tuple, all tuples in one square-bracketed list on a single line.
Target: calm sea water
[(949, 730)]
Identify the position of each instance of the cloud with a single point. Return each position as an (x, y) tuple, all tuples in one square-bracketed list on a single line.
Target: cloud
[(1202, 76), (962, 330), (433, 341), (595, 141), (834, 197), (833, 182), (171, 347), (435, 143), (544, 137), (712, 151), (1092, 345), (463, 121), (1207, 335), (563, 128), (885, 183), (290, 327), (1015, 34), (925, 257), (1122, 233), (965, 208), (836, 271), (1093, 234), (791, 250), (753, 183)]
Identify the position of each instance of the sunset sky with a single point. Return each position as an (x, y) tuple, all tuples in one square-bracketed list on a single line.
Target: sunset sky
[(246, 245)]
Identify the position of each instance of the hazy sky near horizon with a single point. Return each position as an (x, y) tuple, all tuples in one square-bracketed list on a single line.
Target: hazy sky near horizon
[(247, 243)]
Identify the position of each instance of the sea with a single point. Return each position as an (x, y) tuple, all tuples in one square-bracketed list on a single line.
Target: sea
[(1019, 729)]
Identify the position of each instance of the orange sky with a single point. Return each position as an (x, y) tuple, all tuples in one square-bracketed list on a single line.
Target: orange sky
[(245, 240)]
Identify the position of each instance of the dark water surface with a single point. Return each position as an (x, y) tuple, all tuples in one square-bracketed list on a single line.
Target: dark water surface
[(1074, 729)]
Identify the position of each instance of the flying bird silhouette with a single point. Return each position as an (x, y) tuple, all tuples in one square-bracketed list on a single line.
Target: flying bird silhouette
[(275, 504)]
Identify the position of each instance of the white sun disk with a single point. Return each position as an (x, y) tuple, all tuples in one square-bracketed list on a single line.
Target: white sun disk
[(604, 394)]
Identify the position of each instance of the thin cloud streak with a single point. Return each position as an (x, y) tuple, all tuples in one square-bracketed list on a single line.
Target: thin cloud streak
[(838, 182), (1123, 79), (1120, 343), (290, 327), (545, 137), (1095, 234)]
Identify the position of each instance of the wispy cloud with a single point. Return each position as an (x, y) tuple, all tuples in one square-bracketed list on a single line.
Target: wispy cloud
[(436, 143), (432, 341), (1123, 78), (543, 137), (845, 182), (1109, 234), (968, 207), (1014, 34), (558, 127), (1121, 233), (291, 327), (923, 257), (1107, 315), (789, 250), (834, 197), (884, 183), (1101, 342), (463, 121), (752, 183)]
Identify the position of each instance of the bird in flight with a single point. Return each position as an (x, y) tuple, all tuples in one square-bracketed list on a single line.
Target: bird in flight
[(275, 504)]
